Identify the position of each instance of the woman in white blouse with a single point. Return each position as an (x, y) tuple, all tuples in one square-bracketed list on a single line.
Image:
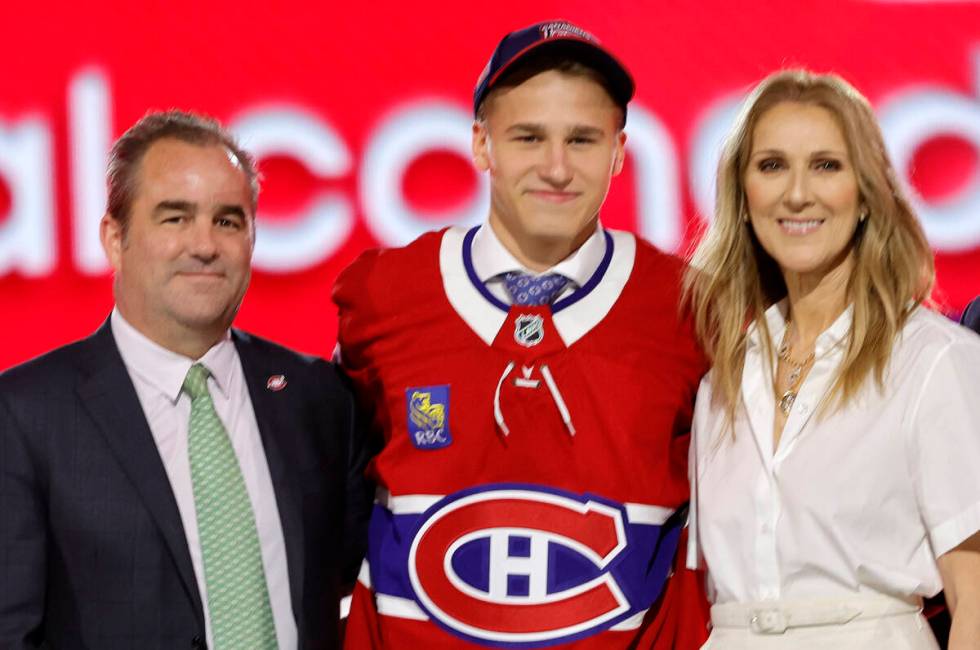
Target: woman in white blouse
[(836, 457)]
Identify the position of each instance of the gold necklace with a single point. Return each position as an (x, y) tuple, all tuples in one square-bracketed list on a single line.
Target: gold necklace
[(795, 374)]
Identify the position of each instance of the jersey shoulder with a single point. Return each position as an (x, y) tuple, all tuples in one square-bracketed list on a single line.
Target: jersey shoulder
[(650, 260), (655, 280), (381, 274)]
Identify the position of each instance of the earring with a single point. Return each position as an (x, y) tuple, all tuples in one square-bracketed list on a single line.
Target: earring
[(863, 216)]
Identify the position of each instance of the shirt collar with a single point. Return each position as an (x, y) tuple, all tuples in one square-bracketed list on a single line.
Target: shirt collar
[(491, 257), (164, 369), (776, 322)]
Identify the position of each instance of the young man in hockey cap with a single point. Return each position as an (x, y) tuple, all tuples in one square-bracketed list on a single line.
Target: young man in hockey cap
[(531, 385)]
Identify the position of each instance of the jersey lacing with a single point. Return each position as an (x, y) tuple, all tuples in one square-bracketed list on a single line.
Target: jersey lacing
[(549, 381)]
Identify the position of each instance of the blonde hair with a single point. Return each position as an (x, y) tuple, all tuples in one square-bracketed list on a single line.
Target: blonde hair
[(732, 280)]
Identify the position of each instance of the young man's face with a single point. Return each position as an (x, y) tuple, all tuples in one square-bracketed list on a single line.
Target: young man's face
[(551, 146)]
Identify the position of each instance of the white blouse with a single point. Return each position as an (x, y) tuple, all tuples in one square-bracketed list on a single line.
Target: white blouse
[(857, 500)]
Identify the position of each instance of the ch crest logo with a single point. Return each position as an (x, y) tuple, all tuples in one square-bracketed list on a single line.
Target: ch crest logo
[(519, 566), (528, 329)]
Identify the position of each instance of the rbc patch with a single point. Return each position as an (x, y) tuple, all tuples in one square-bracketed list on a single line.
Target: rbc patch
[(428, 416)]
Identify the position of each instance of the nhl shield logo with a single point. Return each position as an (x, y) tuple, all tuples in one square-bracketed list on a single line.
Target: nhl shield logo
[(528, 329)]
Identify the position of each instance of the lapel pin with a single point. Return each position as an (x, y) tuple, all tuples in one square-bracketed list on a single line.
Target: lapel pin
[(276, 383)]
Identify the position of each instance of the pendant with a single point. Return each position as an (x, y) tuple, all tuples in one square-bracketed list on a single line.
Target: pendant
[(786, 402), (794, 375)]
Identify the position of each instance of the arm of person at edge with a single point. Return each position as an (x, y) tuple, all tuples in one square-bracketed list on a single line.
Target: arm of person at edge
[(679, 619), (971, 315), (960, 567), (360, 495), (960, 571), (23, 540)]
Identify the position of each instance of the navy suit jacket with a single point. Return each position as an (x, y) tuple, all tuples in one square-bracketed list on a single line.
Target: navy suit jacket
[(971, 315), (92, 549)]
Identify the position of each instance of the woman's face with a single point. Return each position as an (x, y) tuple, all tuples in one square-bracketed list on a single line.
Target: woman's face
[(802, 190)]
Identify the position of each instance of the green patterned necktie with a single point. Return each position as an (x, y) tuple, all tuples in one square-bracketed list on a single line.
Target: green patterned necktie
[(238, 599)]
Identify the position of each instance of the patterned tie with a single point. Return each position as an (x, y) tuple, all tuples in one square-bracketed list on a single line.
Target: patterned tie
[(238, 599), (525, 289)]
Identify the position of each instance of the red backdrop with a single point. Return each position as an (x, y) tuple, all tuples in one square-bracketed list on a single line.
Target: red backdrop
[(360, 115)]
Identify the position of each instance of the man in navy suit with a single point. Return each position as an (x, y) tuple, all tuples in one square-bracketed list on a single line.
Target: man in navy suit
[(971, 315), (170, 482)]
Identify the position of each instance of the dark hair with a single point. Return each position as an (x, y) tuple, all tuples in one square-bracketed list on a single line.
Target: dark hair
[(534, 63), (129, 149)]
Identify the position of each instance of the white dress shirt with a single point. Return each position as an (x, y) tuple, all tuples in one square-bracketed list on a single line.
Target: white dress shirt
[(491, 258), (861, 500), (158, 374)]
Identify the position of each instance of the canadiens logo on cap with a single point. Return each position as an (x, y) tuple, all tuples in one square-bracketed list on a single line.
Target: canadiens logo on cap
[(572, 41), (428, 416), (563, 29)]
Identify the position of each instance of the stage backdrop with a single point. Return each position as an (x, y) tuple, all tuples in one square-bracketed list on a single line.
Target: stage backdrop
[(359, 113)]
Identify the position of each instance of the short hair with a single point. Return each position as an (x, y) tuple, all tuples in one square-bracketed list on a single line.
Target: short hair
[(534, 63), (732, 280), (193, 128)]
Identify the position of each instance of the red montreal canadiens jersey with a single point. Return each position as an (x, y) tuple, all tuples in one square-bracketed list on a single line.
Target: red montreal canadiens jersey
[(533, 470)]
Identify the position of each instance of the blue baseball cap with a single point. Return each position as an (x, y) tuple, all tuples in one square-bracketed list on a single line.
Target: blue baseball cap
[(564, 37)]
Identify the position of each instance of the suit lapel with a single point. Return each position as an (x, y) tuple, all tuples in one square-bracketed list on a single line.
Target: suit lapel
[(108, 395), (272, 410)]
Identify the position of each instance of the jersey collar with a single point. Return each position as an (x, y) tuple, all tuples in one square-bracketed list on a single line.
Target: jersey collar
[(573, 315)]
